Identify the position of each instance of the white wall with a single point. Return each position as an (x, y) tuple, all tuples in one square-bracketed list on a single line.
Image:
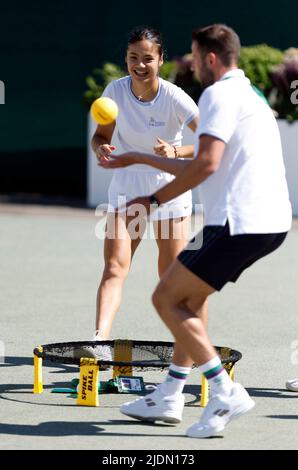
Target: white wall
[(98, 179), (289, 139)]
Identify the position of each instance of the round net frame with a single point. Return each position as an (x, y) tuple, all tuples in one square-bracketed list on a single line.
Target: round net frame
[(138, 354)]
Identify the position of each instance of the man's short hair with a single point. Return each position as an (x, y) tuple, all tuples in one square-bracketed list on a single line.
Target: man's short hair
[(219, 39)]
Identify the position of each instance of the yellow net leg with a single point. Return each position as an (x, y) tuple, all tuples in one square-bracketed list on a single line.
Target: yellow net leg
[(204, 386), (38, 387), (88, 386), (232, 373), (230, 368), (204, 391), (122, 353)]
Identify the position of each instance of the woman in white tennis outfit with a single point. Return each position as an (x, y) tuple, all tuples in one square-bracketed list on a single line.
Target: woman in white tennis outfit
[(152, 113)]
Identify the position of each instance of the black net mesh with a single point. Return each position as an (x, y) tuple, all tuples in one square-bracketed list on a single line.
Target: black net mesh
[(141, 354)]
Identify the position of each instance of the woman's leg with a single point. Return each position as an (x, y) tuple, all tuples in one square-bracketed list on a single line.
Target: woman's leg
[(119, 247), (171, 237)]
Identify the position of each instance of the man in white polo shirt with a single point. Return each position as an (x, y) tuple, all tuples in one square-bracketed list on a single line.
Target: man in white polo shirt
[(240, 170)]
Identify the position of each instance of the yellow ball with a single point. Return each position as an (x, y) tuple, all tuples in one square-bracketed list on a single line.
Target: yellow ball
[(104, 111)]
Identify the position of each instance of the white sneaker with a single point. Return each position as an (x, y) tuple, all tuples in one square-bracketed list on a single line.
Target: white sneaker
[(101, 352), (156, 407), (292, 385), (220, 410)]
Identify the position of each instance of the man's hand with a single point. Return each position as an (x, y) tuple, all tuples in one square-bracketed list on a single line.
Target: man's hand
[(164, 149), (103, 152), (119, 161)]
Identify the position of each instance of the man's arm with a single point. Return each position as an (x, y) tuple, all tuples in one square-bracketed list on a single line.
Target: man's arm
[(196, 171), (169, 165)]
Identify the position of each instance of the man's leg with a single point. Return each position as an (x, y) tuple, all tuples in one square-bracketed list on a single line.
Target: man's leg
[(180, 356), (180, 299), (182, 362), (179, 294), (171, 238)]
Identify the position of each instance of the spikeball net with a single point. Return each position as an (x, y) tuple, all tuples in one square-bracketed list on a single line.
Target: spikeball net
[(138, 354), (127, 356)]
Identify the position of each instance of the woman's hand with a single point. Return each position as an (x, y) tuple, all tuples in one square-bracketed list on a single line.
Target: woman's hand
[(119, 161), (164, 149), (103, 152)]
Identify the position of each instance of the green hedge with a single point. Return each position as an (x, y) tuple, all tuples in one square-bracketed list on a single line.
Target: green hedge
[(257, 63)]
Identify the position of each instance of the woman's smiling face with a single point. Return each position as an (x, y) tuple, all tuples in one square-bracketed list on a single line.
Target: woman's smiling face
[(143, 61)]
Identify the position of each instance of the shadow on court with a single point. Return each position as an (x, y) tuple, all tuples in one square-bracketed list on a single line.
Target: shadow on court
[(13, 361), (271, 393), (61, 428), (283, 416), (27, 389)]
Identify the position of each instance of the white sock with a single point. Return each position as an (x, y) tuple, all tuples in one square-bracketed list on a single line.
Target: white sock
[(175, 380), (217, 376)]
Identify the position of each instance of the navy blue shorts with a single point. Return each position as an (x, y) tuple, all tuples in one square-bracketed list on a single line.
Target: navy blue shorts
[(222, 257)]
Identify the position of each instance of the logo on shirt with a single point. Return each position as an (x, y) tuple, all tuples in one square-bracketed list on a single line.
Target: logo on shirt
[(153, 123)]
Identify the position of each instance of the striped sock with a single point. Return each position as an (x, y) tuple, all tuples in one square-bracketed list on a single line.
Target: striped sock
[(175, 380), (217, 376)]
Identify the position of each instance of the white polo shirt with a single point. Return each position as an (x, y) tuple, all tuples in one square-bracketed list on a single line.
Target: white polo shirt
[(139, 123), (249, 189)]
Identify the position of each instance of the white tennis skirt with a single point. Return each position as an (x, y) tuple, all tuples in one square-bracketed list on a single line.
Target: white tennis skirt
[(127, 185)]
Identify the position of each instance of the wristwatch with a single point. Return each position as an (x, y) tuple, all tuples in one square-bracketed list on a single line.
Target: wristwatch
[(154, 201)]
